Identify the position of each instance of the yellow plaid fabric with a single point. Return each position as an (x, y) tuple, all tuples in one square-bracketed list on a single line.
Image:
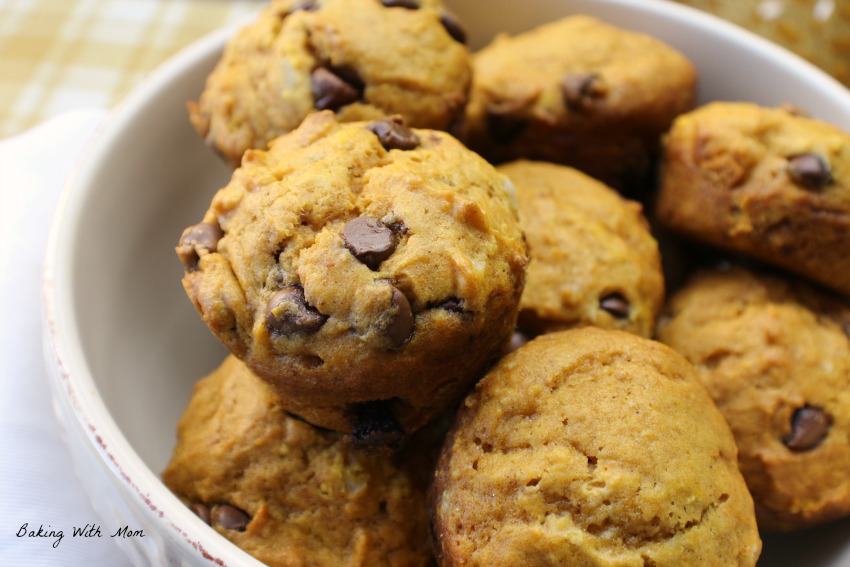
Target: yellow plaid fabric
[(60, 55)]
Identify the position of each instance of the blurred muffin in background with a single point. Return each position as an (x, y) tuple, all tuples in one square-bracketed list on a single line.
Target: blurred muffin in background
[(818, 30)]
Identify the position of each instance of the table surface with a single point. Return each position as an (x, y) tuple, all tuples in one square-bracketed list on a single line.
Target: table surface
[(60, 55)]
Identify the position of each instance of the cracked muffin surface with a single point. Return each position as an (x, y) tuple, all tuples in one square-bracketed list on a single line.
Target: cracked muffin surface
[(774, 353), (291, 494), (369, 271), (593, 258), (591, 447), (361, 59)]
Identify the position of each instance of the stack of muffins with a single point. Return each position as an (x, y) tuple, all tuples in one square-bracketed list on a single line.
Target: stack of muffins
[(439, 289)]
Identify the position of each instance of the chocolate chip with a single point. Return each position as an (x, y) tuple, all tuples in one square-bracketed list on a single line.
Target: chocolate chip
[(616, 305), (374, 425), (393, 134), (582, 90), (504, 128), (202, 511), (409, 4), (453, 26), (809, 170), (400, 325), (369, 240), (288, 313), (230, 517), (809, 426), (203, 236), (331, 91)]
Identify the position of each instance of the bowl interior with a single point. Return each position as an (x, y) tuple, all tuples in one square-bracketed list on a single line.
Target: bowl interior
[(150, 175), (143, 342)]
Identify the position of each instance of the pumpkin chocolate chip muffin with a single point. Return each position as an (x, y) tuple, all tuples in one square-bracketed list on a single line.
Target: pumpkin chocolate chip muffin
[(592, 447), (593, 258), (579, 92), (775, 355), (291, 494), (369, 271), (361, 59), (768, 183)]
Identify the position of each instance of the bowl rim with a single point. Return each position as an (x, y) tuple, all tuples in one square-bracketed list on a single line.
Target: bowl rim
[(72, 377)]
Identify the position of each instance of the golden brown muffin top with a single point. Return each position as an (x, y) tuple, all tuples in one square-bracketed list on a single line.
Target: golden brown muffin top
[(291, 494), (592, 447), (775, 355), (593, 258)]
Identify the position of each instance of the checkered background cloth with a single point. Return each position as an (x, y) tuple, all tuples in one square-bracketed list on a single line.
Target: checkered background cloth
[(59, 55)]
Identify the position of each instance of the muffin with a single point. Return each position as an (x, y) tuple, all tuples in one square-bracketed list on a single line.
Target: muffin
[(369, 271), (591, 447), (579, 92), (775, 355), (362, 59), (593, 258), (291, 494), (768, 183)]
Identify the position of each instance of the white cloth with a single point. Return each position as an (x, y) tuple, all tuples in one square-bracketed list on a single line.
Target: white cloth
[(38, 486)]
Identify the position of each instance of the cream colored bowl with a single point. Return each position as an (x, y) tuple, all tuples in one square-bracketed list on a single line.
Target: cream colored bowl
[(125, 343)]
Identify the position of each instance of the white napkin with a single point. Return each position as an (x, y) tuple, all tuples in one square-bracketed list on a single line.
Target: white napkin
[(38, 486)]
